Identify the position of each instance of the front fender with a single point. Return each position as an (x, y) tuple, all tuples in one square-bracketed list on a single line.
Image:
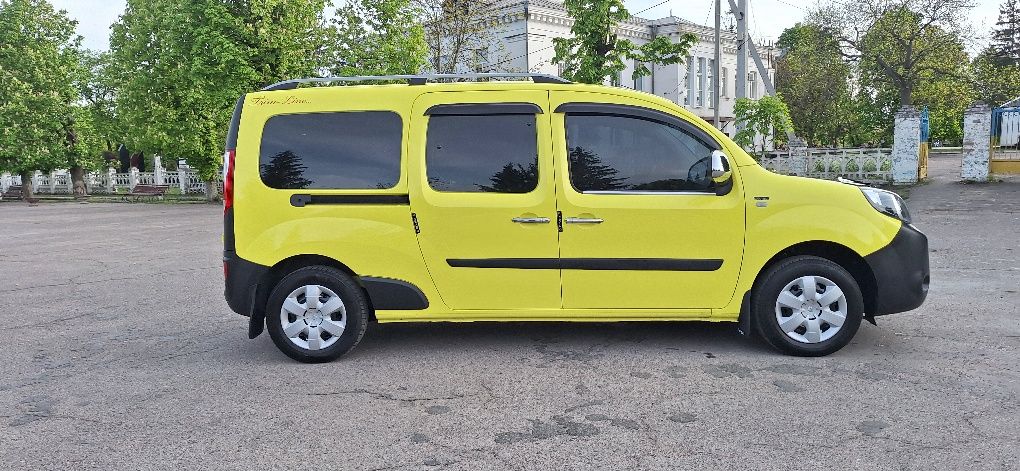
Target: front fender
[(784, 211)]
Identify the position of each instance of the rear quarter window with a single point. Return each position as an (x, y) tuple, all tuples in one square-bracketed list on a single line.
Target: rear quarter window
[(357, 150)]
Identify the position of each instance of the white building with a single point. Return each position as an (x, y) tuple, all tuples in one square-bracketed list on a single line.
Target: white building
[(529, 26)]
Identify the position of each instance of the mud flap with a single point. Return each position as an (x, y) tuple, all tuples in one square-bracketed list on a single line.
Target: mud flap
[(744, 321)]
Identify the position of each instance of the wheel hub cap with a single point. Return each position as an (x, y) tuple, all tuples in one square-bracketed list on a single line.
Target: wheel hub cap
[(313, 317), (811, 309)]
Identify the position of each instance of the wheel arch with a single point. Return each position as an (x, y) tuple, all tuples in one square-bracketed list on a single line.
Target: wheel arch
[(839, 254), (290, 264)]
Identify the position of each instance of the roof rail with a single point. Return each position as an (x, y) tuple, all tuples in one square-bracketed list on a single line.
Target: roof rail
[(413, 79)]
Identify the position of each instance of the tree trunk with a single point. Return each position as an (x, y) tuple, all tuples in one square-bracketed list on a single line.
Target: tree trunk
[(78, 181), (905, 95), (211, 192), (26, 186)]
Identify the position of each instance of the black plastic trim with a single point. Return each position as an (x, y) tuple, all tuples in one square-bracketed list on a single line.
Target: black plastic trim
[(235, 124), (642, 264), (228, 230), (396, 295), (301, 200), (639, 112), (744, 320), (242, 278), (902, 272), (482, 109)]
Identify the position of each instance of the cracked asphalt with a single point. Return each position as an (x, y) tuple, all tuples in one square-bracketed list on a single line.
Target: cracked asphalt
[(120, 353)]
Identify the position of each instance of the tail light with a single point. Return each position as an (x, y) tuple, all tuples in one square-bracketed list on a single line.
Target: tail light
[(228, 179)]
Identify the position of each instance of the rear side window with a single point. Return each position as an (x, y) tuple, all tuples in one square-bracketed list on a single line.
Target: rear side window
[(352, 150), (482, 153), (623, 153)]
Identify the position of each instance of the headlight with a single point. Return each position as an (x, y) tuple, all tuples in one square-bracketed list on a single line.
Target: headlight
[(887, 202)]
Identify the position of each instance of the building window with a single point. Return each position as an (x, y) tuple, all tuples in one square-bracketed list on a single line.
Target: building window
[(725, 90), (700, 98), (686, 86), (711, 86), (752, 85), (639, 81)]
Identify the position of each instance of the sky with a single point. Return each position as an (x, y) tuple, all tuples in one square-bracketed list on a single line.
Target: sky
[(768, 18)]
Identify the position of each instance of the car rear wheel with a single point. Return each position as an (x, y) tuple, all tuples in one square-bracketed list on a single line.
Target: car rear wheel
[(317, 314), (808, 306)]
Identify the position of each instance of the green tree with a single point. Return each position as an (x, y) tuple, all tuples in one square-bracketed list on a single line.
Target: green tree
[(946, 98), (903, 42), (814, 81), (1005, 47), (764, 120), (595, 53), (38, 62), (997, 68), (378, 37), (996, 83), (84, 146), (459, 35), (180, 67), (97, 91)]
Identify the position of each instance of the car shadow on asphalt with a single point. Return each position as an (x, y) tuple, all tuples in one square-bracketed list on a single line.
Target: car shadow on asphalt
[(622, 337), (456, 339)]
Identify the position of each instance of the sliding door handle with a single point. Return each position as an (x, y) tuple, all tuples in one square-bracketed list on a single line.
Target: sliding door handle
[(584, 220), (526, 220)]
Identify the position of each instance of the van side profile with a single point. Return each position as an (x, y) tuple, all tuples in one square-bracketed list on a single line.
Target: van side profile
[(538, 200)]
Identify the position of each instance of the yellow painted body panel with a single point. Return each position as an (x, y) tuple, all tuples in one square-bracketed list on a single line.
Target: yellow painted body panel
[(687, 226), (372, 240), (478, 225), (802, 210), (380, 241)]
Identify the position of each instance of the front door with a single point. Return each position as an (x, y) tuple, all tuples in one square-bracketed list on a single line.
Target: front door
[(643, 227), (483, 197)]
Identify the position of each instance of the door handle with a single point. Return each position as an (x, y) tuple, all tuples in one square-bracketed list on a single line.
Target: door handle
[(584, 220), (526, 220)]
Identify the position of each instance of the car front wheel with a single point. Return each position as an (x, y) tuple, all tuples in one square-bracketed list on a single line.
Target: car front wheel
[(808, 306)]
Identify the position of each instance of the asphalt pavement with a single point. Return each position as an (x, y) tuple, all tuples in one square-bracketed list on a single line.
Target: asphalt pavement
[(120, 353)]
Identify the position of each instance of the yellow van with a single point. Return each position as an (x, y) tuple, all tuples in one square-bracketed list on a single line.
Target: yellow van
[(538, 200)]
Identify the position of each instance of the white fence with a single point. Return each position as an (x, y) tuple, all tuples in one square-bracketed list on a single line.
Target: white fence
[(187, 181), (867, 165)]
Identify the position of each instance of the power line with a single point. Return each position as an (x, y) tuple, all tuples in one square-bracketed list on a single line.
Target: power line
[(649, 8), (791, 5)]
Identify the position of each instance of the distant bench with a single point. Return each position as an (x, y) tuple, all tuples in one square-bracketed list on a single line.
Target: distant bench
[(151, 191), (13, 193)]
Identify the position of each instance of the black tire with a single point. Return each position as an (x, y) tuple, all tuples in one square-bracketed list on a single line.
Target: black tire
[(772, 283), (348, 290)]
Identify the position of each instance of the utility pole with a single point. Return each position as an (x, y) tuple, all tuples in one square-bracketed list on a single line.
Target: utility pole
[(718, 60), (741, 14)]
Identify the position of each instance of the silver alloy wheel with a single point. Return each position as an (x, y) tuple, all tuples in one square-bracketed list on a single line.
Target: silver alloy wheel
[(313, 317), (811, 309)]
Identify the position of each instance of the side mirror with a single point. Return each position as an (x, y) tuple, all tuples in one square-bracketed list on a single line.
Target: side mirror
[(722, 176), (720, 166)]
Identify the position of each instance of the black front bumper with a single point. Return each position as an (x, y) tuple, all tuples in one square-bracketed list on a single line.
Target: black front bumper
[(241, 280), (901, 272)]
